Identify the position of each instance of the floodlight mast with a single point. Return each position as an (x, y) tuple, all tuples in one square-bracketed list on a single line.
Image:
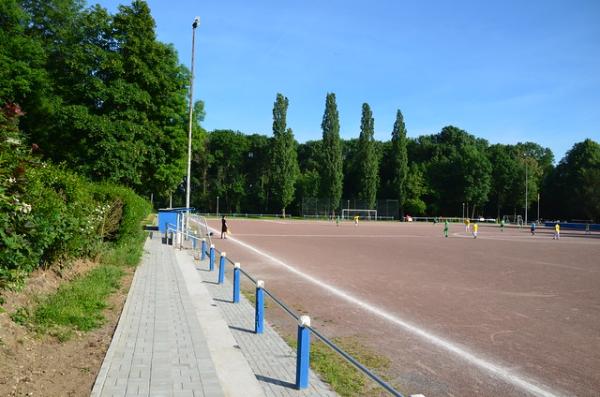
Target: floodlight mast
[(189, 160)]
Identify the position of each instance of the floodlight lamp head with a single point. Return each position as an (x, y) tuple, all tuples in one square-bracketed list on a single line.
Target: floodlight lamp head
[(196, 22)]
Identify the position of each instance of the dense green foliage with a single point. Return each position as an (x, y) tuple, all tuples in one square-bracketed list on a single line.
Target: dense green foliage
[(99, 93), (331, 167), (49, 214), (444, 170), (367, 160), (284, 160), (574, 186)]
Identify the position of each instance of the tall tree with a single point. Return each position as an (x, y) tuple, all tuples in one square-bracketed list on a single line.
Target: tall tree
[(22, 74), (116, 108), (227, 151), (284, 165), (505, 176), (332, 169), (575, 185), (399, 158), (258, 171), (367, 159), (458, 171)]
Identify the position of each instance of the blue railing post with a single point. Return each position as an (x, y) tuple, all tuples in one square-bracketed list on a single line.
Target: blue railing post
[(203, 247), (194, 242), (236, 282), (259, 313), (222, 267), (303, 353), (211, 262)]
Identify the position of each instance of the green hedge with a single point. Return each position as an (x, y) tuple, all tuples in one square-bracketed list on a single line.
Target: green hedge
[(49, 215)]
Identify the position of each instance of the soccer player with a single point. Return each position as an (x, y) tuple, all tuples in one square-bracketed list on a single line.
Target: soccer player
[(502, 225), (532, 228), (467, 225), (356, 220), (475, 229), (223, 228), (556, 232), (446, 228)]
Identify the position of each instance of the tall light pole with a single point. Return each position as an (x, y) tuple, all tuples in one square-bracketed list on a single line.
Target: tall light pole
[(526, 190), (189, 162), (538, 217)]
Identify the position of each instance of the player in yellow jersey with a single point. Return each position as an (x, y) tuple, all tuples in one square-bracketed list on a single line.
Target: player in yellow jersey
[(475, 230)]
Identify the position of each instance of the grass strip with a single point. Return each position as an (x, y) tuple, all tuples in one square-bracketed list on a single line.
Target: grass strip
[(79, 304), (344, 378), (76, 305)]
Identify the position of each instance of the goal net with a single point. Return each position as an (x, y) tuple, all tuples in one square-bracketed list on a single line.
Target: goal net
[(363, 215)]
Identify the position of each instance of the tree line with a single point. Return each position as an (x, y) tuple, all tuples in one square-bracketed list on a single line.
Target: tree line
[(99, 92), (101, 95), (437, 174)]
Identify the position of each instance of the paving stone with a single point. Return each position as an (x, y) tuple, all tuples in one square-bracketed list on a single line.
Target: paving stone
[(269, 356), (157, 331)]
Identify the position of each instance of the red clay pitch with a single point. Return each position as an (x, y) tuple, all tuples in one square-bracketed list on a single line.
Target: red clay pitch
[(504, 314)]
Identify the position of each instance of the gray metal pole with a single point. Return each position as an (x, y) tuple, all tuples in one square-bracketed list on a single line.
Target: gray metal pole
[(189, 161), (526, 191), (538, 217)]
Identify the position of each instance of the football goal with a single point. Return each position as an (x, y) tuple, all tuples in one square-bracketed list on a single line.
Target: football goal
[(363, 215)]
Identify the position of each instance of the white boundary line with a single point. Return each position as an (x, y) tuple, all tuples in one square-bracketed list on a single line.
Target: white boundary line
[(494, 369), (331, 235)]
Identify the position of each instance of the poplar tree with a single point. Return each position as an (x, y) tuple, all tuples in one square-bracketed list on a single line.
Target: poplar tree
[(331, 171), (367, 159), (284, 160), (399, 161)]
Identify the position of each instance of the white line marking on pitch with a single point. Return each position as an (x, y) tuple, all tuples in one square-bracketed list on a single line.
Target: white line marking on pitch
[(488, 366), (330, 235)]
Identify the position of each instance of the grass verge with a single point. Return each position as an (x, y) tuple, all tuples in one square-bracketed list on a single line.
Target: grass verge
[(343, 377), (78, 305)]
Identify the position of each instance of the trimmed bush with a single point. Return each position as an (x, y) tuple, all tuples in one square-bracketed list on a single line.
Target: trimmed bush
[(49, 215)]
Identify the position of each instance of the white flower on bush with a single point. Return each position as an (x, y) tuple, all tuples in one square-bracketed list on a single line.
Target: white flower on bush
[(25, 208), (11, 180)]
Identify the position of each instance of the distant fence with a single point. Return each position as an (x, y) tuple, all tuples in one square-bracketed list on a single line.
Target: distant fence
[(451, 219), (313, 207), (199, 235), (592, 227)]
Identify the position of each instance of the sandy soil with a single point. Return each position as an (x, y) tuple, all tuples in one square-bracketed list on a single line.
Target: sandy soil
[(40, 365), (513, 314)]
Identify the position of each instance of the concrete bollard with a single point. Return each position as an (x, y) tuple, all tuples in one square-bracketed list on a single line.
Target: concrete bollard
[(236, 282), (203, 247), (211, 261), (259, 313), (303, 353), (222, 267)]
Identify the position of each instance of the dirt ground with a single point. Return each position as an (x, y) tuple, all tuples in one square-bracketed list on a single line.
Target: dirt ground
[(40, 365), (504, 314)]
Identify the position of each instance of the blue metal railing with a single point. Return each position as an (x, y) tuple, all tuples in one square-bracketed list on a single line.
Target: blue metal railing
[(302, 352)]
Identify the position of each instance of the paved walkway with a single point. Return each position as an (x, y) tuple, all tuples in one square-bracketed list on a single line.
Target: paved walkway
[(180, 335), (159, 347), (269, 356)]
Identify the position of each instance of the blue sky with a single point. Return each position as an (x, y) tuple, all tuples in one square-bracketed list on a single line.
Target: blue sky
[(506, 71)]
